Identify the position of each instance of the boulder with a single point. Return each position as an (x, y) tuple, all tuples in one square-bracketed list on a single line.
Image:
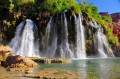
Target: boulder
[(115, 17), (5, 48), (51, 60), (18, 62), (5, 51)]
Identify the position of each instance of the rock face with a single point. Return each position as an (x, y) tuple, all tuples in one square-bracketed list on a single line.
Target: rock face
[(51, 60), (5, 51), (5, 48), (115, 17), (104, 13), (18, 62)]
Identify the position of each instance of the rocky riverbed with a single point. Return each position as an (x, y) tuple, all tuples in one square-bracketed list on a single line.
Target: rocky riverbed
[(49, 73), (14, 67), (46, 73)]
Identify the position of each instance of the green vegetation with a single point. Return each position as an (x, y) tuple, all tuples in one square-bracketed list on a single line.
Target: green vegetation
[(22, 2), (54, 6), (58, 6), (28, 8)]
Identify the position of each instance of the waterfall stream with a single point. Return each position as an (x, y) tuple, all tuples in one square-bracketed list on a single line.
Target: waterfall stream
[(59, 46), (101, 45), (80, 38), (26, 42)]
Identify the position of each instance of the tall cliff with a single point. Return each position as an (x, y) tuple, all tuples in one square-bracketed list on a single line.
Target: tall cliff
[(115, 17)]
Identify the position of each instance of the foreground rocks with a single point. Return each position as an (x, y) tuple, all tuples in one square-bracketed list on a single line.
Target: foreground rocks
[(18, 62), (51, 60), (25, 64), (5, 51), (49, 73)]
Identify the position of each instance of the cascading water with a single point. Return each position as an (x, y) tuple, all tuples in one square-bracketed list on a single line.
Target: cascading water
[(58, 47), (101, 45), (51, 39), (26, 42), (64, 46), (80, 38), (56, 35)]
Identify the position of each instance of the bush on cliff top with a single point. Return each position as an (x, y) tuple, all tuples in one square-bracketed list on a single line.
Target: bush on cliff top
[(58, 6)]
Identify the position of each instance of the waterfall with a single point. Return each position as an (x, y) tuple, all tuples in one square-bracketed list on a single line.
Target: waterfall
[(80, 38), (57, 42), (64, 47), (63, 37), (101, 44), (51, 39), (26, 42)]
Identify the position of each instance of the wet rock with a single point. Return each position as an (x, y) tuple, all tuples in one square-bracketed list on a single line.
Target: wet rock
[(5, 51), (5, 48), (18, 62), (51, 60)]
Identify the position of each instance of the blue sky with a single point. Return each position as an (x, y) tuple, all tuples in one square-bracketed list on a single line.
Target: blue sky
[(110, 6)]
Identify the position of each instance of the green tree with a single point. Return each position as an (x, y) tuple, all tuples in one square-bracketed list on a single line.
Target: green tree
[(21, 2), (4, 3)]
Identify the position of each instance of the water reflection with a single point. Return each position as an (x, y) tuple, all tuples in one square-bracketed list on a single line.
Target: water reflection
[(82, 69), (98, 68), (103, 69)]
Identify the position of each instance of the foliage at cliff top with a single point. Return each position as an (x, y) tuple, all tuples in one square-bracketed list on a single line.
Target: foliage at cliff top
[(21, 2), (92, 11), (59, 6)]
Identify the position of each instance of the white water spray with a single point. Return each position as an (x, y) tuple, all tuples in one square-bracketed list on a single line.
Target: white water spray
[(26, 42), (80, 38)]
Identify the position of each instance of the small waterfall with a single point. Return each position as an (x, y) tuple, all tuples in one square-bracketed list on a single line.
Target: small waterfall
[(99, 41), (101, 44), (51, 39), (57, 43), (26, 42), (64, 46), (80, 38)]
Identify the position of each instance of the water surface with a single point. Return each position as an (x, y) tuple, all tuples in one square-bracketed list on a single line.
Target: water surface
[(92, 68), (95, 68)]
